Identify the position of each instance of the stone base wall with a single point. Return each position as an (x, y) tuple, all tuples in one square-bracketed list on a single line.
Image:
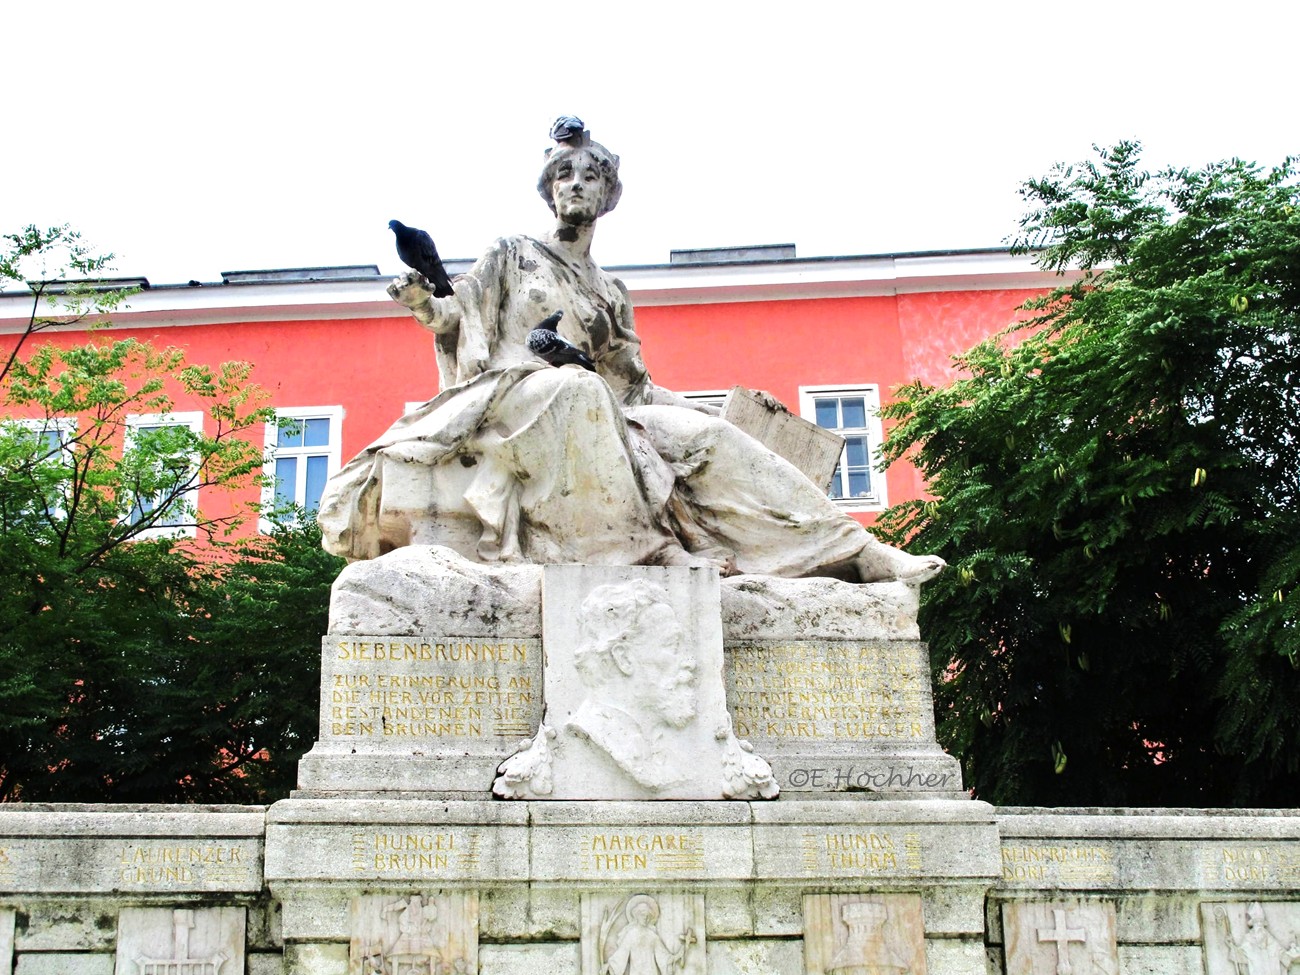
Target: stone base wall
[(322, 885)]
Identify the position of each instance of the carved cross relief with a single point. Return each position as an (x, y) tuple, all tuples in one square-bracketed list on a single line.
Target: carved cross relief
[(1075, 937)]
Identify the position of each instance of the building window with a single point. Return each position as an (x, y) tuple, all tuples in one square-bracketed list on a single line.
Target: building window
[(854, 413), (164, 485), (51, 441), (709, 397), (304, 449)]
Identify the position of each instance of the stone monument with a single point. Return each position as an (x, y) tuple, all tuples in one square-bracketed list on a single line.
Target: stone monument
[(577, 591), (611, 688)]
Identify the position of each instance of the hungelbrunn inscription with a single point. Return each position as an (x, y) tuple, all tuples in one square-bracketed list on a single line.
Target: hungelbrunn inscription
[(424, 853), (799, 691)]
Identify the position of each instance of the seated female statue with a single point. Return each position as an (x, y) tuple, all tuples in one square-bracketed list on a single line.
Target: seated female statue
[(519, 461)]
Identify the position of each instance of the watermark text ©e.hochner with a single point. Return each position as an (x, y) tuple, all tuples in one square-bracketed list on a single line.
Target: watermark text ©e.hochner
[(881, 777)]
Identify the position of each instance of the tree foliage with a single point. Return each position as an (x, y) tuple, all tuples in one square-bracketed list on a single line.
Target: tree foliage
[(137, 664), (1117, 489)]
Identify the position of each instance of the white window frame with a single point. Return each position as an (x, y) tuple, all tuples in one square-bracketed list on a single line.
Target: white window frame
[(67, 430), (878, 500), (333, 452), (65, 425), (183, 418), (710, 397)]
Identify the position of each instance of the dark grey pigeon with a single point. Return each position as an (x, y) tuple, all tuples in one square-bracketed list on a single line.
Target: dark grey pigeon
[(566, 128), (417, 252), (544, 343)]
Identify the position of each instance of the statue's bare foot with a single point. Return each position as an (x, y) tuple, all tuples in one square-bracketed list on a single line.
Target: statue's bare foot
[(675, 555), (880, 563)]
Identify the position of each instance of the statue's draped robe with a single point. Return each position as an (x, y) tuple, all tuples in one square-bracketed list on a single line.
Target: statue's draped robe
[(519, 461)]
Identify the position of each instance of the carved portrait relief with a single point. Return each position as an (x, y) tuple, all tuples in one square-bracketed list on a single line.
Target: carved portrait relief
[(635, 705)]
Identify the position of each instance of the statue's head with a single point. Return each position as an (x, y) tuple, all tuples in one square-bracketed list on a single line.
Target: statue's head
[(574, 150)]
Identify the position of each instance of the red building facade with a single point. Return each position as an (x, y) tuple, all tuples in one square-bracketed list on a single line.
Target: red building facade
[(829, 337)]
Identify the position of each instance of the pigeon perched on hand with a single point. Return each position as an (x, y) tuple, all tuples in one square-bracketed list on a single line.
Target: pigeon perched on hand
[(546, 344), (416, 250)]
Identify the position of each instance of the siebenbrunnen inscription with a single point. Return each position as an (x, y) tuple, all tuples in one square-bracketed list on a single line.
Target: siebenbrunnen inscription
[(422, 688)]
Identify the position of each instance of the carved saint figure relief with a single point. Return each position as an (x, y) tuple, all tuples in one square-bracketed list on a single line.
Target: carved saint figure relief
[(1248, 939), (643, 934), (414, 935), (860, 934)]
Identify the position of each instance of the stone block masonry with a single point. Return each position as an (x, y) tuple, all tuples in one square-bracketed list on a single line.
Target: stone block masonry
[(323, 885)]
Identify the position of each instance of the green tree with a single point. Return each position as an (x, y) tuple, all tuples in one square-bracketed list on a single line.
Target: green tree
[(1117, 489), (137, 664)]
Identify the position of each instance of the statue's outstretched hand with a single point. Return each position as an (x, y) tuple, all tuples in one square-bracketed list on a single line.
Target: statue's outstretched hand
[(412, 289)]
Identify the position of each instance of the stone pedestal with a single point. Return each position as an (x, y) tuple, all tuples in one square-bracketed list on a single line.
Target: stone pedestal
[(532, 866), (432, 673)]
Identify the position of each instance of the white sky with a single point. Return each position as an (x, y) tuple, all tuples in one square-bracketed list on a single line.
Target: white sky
[(194, 138)]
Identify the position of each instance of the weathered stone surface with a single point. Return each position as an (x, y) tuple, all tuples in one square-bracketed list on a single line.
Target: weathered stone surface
[(1060, 935), (768, 608), (427, 713), (266, 963), (6, 941), (954, 956), (844, 933), (414, 843), (635, 707), (432, 589), (60, 963), (1161, 960), (531, 959), (816, 840), (58, 849), (814, 450), (1163, 849), (641, 930), (755, 958), (316, 959), (175, 939), (841, 716)]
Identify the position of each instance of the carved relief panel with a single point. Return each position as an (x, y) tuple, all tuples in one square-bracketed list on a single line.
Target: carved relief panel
[(643, 933), (861, 934), (414, 934), (183, 941), (1251, 938), (1068, 937)]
